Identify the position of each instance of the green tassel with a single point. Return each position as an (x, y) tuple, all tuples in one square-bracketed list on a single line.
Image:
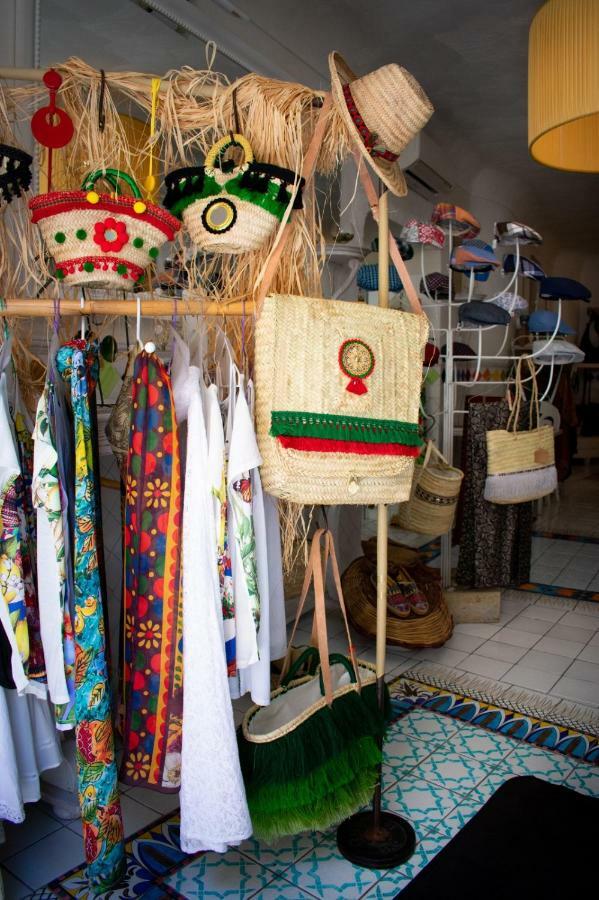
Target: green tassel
[(319, 815), (344, 428), (337, 772)]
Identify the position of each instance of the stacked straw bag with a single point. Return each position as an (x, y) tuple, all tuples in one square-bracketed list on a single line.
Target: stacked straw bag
[(431, 630), (432, 505)]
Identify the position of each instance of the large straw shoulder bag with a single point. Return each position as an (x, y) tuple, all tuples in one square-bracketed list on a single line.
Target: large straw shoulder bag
[(435, 491), (338, 391), (311, 757), (521, 464)]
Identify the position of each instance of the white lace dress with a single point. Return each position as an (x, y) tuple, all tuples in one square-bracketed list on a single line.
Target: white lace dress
[(214, 812)]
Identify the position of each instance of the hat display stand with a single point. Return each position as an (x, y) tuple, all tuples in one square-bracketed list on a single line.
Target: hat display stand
[(451, 411)]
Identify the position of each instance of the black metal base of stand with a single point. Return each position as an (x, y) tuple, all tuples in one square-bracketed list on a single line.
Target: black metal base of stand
[(385, 847)]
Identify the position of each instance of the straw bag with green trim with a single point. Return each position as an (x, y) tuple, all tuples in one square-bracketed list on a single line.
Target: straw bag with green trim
[(521, 464), (229, 207), (337, 386), (310, 759)]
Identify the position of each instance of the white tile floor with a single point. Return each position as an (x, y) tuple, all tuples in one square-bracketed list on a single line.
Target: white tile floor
[(544, 644)]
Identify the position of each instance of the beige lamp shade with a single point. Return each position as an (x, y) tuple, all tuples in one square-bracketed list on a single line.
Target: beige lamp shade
[(563, 85)]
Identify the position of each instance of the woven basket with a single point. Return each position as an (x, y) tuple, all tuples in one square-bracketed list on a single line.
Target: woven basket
[(337, 400), (102, 239), (359, 591), (231, 209), (521, 464), (433, 502)]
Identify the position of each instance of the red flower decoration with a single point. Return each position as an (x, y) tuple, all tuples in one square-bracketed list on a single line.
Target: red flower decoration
[(110, 235)]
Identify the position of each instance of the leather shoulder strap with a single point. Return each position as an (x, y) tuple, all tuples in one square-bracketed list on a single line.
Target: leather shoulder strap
[(307, 172), (398, 262)]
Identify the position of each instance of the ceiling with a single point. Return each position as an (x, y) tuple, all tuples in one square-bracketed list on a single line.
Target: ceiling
[(470, 57)]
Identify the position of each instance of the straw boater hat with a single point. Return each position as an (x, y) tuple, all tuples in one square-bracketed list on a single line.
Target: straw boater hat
[(383, 111)]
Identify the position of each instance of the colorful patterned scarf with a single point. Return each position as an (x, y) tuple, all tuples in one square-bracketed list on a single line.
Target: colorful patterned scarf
[(153, 670), (77, 362)]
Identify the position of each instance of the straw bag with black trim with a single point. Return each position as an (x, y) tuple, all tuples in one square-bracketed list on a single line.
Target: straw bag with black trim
[(228, 207), (435, 491), (337, 388), (521, 464), (310, 759)]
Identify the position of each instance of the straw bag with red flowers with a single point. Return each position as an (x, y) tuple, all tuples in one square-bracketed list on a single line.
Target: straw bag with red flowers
[(102, 239)]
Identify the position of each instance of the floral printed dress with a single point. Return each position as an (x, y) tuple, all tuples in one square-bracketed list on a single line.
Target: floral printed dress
[(77, 362), (55, 618), (243, 457), (153, 670)]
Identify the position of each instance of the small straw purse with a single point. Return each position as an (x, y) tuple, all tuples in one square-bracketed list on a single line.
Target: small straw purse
[(102, 239), (230, 208), (521, 464), (311, 757), (432, 505)]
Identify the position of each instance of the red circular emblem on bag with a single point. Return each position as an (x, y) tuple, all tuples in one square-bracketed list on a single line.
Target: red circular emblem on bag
[(356, 360)]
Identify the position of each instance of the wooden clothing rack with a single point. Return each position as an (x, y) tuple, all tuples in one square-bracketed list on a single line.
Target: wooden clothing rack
[(380, 831), (45, 307)]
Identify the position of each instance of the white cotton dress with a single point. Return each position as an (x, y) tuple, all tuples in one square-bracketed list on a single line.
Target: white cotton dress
[(214, 812)]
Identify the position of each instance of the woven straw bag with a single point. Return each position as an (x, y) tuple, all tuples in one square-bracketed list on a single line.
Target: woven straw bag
[(431, 630), (337, 389), (311, 757), (102, 239), (432, 505), (230, 208), (521, 464)]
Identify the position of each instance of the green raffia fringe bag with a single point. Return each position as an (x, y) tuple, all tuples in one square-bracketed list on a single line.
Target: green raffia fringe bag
[(310, 759)]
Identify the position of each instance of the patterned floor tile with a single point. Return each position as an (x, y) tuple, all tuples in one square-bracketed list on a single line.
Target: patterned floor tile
[(457, 818), (585, 779), (526, 760), (479, 744), (402, 751), (281, 854), (422, 803), (280, 889), (452, 771), (485, 790), (395, 880), (428, 726), (327, 875), (218, 876)]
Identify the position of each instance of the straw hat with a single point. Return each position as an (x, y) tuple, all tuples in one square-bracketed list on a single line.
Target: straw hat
[(383, 111)]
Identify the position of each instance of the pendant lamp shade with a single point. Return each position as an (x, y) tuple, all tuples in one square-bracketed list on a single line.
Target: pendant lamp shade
[(563, 85)]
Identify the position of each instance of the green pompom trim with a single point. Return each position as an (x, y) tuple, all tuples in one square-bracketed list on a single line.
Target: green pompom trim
[(344, 428), (121, 269), (81, 234), (59, 274), (89, 266), (60, 237), (138, 242), (153, 252)]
